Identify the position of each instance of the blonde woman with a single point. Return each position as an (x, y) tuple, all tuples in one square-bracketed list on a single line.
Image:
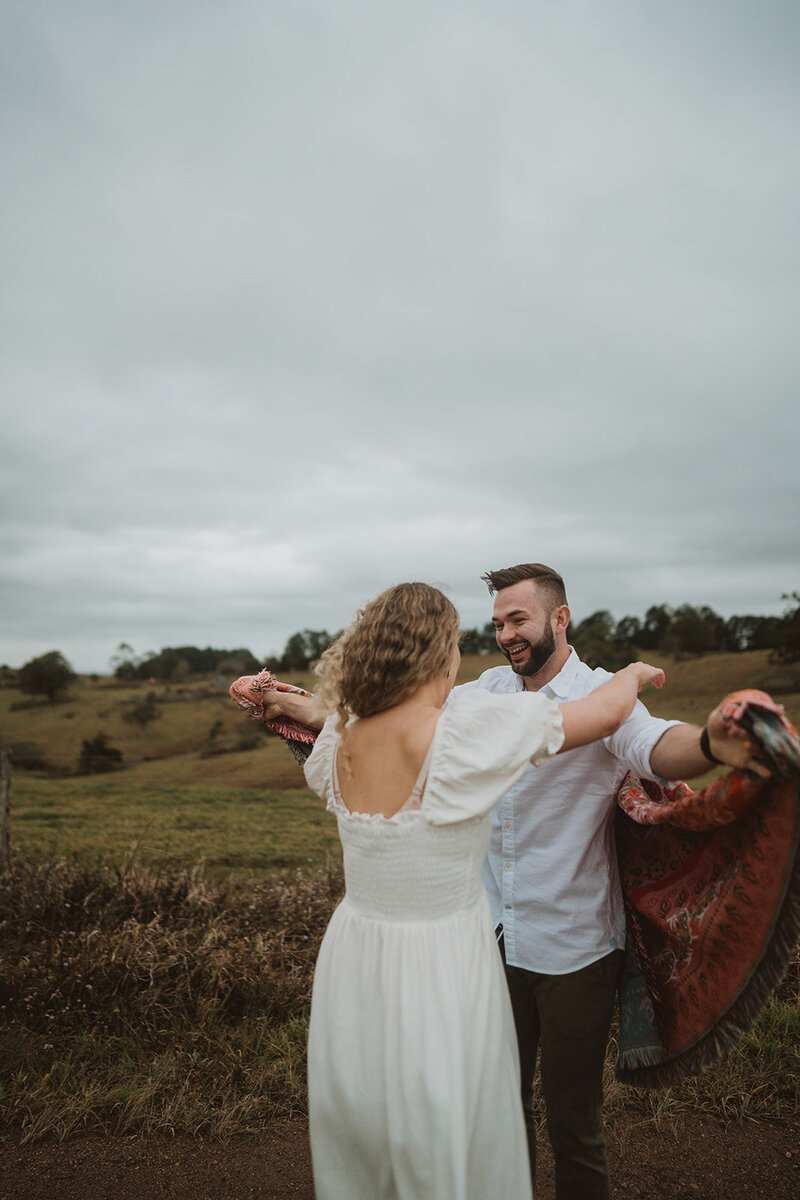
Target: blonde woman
[(412, 1059)]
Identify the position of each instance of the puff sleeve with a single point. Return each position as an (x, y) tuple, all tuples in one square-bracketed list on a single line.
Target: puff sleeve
[(483, 744), (318, 767)]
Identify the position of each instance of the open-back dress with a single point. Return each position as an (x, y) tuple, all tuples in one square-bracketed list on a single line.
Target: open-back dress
[(414, 1087)]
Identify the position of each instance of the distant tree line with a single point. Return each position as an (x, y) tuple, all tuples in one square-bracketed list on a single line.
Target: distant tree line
[(685, 631), (599, 639), (176, 663)]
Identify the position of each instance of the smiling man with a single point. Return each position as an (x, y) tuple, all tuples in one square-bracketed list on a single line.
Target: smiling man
[(552, 876)]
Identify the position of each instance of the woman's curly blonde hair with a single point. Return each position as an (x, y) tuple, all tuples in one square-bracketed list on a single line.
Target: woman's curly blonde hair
[(398, 641)]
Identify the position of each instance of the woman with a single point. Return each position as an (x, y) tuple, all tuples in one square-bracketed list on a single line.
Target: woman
[(413, 1068)]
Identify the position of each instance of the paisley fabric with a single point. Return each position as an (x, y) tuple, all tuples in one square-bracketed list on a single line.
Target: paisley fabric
[(251, 693), (711, 881)]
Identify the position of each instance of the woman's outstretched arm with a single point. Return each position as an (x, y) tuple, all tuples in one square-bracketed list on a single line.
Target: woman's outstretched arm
[(601, 713)]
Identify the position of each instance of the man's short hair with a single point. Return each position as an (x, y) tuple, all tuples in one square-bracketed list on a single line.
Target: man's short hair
[(545, 578)]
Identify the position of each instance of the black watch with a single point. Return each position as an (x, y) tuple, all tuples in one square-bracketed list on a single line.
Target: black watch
[(705, 747)]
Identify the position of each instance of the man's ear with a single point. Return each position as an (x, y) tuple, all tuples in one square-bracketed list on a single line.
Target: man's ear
[(562, 615)]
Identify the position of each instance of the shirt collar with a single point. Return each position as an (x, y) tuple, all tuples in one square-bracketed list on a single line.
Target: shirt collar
[(560, 684)]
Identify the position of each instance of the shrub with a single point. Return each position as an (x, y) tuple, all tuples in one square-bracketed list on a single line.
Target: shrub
[(97, 756), (29, 756)]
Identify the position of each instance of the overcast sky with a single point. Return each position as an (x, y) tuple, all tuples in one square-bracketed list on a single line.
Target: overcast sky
[(301, 298)]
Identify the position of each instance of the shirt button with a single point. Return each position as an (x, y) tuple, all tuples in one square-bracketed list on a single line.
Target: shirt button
[(506, 825), (506, 906), (508, 864)]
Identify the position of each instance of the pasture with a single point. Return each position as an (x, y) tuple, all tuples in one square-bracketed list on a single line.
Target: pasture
[(202, 782), (160, 922)]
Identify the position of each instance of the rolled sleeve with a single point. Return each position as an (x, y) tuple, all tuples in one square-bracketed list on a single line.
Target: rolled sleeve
[(634, 740)]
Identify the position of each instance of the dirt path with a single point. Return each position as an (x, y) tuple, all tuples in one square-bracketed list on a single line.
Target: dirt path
[(692, 1158)]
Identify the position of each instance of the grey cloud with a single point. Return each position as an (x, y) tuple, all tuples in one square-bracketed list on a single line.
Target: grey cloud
[(309, 299)]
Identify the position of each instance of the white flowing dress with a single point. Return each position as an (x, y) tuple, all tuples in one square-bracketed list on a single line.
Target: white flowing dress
[(413, 1072)]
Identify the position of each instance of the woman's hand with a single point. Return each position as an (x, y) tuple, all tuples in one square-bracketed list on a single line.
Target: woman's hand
[(643, 674), (304, 707), (271, 712), (267, 699)]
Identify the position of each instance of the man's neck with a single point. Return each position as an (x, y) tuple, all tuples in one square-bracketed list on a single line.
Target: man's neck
[(554, 664)]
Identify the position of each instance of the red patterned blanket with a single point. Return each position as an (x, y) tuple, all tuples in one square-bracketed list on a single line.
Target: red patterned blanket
[(711, 881)]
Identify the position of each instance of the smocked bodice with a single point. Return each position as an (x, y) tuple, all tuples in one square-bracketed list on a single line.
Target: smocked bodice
[(409, 870), (425, 863)]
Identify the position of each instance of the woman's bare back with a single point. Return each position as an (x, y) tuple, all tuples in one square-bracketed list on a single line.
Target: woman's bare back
[(381, 757)]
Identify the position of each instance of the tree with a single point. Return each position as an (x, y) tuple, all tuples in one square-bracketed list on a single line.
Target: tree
[(694, 631), (594, 639), (655, 625), (304, 648), (238, 662), (124, 663), (750, 633), (8, 676), (48, 675), (177, 663), (478, 641), (629, 632)]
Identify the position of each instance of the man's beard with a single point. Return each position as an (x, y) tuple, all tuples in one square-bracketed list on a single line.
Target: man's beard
[(539, 654)]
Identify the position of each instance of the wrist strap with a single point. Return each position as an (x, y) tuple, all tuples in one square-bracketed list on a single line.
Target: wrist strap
[(705, 747)]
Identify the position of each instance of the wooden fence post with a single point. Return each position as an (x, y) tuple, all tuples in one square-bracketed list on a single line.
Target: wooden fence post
[(5, 810)]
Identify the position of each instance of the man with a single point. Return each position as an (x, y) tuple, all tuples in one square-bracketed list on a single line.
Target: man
[(551, 872)]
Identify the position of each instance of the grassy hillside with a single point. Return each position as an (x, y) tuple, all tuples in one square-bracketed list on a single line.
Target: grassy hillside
[(203, 781), (195, 714)]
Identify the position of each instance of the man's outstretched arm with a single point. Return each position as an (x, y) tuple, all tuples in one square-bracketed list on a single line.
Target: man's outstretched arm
[(678, 753)]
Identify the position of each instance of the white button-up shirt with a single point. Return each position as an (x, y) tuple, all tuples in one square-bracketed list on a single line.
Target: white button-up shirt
[(551, 871)]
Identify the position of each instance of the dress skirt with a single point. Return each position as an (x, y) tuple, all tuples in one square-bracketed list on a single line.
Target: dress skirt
[(414, 1087)]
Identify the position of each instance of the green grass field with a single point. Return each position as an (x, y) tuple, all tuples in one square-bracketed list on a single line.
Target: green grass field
[(226, 828)]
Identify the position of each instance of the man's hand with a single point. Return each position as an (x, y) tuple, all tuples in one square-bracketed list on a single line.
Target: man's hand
[(732, 745)]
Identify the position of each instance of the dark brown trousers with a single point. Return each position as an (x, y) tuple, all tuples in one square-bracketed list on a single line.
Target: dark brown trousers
[(566, 1019)]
